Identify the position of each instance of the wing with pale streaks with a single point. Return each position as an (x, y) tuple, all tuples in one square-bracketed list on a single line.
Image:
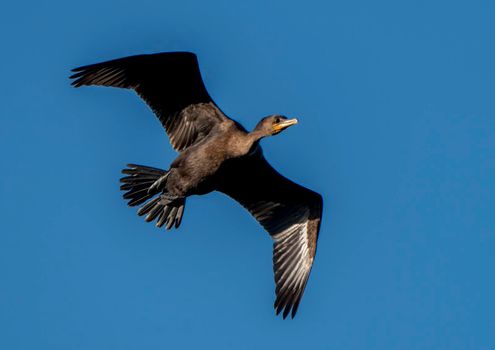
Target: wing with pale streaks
[(289, 212)]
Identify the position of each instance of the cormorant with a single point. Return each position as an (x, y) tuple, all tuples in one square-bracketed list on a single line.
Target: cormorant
[(216, 154)]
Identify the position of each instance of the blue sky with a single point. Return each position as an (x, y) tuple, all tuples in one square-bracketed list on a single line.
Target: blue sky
[(395, 103)]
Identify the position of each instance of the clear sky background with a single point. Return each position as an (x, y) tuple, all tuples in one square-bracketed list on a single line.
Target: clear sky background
[(397, 132)]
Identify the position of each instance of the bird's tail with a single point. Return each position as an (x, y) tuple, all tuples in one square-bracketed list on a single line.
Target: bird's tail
[(141, 184)]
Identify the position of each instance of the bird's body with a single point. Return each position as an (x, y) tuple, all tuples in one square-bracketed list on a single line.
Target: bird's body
[(196, 170), (215, 154)]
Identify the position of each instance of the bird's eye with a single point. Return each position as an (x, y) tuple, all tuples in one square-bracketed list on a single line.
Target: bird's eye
[(277, 120)]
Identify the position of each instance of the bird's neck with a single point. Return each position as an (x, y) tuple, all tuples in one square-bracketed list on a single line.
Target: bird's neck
[(256, 135), (242, 146)]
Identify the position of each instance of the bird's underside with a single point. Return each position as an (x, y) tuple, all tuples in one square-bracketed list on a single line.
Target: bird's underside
[(216, 153)]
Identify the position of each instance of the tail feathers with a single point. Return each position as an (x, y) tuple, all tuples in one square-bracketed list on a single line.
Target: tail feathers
[(140, 178), (166, 212), (141, 185)]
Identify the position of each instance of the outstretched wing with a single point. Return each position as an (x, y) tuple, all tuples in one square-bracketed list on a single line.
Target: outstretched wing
[(289, 212), (170, 83)]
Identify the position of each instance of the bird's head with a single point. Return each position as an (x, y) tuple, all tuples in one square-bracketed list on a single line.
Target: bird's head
[(274, 124)]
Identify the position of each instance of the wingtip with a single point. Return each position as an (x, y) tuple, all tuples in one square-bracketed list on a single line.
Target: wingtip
[(288, 309), (76, 80), (76, 77), (286, 312), (278, 309), (83, 68)]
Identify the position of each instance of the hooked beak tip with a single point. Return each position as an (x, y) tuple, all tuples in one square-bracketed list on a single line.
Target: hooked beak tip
[(290, 122)]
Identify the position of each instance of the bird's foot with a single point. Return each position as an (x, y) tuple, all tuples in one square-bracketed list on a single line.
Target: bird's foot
[(158, 184), (167, 198)]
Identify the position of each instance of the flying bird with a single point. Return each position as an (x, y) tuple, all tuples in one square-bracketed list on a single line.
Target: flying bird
[(215, 154)]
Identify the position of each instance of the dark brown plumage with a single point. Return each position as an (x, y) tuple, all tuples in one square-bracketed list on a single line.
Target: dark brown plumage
[(216, 154)]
